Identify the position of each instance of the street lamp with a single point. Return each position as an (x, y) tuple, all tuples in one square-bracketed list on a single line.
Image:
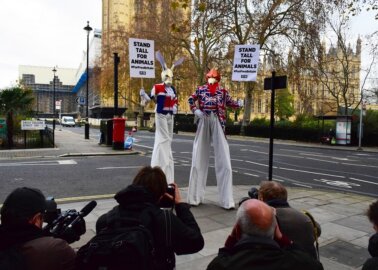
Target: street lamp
[(54, 71), (360, 127), (88, 29)]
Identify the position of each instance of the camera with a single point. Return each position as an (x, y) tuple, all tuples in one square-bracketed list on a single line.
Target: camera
[(68, 225), (166, 202), (253, 193)]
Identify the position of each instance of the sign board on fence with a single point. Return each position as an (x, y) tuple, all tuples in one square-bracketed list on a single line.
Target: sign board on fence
[(58, 104), (33, 124), (141, 58), (246, 61)]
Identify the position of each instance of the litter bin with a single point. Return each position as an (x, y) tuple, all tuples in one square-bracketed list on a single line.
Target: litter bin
[(118, 133), (106, 130)]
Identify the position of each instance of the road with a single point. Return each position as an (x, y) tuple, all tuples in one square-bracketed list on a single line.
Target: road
[(349, 171)]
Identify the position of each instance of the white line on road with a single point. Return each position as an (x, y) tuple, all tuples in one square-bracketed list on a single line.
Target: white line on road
[(67, 162), (39, 163), (241, 160), (141, 145), (364, 181), (359, 165), (250, 174), (126, 167), (301, 185), (256, 163), (338, 183), (329, 161), (333, 175)]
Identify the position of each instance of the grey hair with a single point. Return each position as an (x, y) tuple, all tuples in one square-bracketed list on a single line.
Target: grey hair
[(248, 226)]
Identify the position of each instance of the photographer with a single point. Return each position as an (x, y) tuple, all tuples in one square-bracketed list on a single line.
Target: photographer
[(143, 196), (298, 226), (22, 237)]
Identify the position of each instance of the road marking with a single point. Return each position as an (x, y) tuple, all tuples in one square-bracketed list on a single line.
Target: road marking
[(301, 185), (301, 152), (250, 174), (241, 160), (338, 183), (364, 181), (141, 145), (359, 165), (67, 162), (254, 151), (126, 167), (329, 161), (40, 163), (256, 163), (287, 169)]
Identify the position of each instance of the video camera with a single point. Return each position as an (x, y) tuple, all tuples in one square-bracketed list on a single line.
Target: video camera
[(253, 193), (68, 225)]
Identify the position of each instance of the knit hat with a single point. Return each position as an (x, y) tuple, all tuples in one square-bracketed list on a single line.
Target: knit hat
[(22, 204)]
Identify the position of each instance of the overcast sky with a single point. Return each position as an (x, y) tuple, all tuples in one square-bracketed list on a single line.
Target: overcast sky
[(50, 32), (44, 33)]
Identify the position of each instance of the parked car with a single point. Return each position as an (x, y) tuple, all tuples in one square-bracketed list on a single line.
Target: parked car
[(68, 121)]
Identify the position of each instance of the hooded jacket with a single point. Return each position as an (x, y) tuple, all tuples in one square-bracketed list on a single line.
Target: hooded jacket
[(185, 232), (40, 252)]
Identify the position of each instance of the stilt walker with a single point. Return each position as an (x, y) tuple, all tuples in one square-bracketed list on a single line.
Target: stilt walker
[(165, 97), (212, 101)]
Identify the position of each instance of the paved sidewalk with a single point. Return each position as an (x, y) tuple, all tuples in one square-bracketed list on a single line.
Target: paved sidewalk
[(345, 228)]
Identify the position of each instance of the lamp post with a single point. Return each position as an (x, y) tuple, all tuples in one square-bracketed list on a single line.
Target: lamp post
[(360, 127), (88, 29), (54, 71)]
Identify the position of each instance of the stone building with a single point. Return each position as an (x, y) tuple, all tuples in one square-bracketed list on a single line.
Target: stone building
[(40, 81)]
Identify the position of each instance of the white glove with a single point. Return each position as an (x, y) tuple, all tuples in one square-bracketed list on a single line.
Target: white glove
[(240, 103), (174, 109), (199, 113), (144, 96)]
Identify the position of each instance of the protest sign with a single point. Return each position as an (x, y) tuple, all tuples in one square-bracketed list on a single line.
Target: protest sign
[(246, 61), (141, 58)]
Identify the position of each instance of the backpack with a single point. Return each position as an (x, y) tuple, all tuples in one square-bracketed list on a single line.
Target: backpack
[(316, 231), (125, 243), (12, 259)]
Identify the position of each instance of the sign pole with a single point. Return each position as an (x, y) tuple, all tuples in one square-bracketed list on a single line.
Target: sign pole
[(271, 128), (141, 110), (116, 62)]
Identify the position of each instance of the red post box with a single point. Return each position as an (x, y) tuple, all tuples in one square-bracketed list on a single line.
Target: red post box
[(118, 133)]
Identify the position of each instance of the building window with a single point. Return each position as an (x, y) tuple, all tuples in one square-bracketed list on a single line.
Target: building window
[(259, 105)]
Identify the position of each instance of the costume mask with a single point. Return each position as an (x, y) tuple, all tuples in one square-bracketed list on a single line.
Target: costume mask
[(167, 73), (213, 76)]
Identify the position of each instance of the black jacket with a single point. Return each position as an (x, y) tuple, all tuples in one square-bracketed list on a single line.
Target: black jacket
[(259, 253), (41, 252), (185, 233), (372, 263)]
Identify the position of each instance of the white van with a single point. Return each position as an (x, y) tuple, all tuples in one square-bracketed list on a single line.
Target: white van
[(67, 121)]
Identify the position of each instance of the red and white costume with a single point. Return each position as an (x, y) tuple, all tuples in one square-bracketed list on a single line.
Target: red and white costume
[(165, 97), (212, 100)]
